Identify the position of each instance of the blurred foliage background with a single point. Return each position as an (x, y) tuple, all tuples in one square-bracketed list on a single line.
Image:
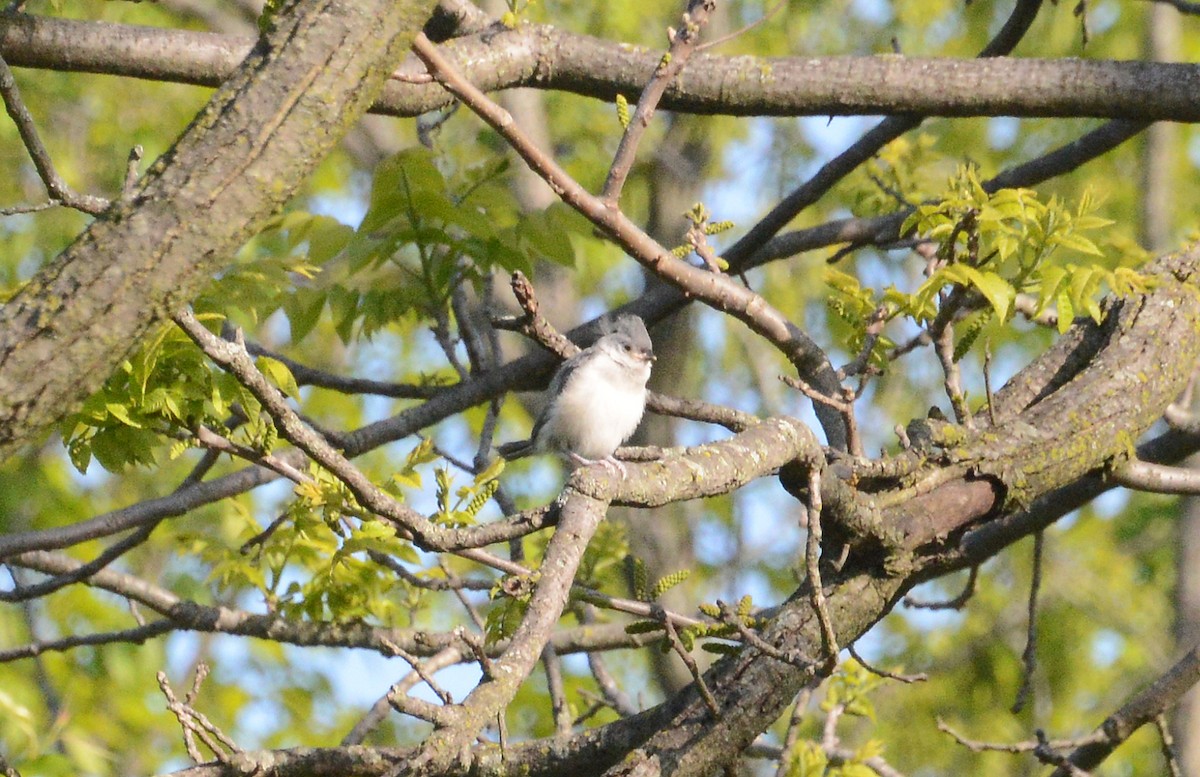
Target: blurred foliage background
[(325, 287)]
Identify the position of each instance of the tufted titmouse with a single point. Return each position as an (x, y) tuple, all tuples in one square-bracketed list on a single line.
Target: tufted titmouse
[(595, 400)]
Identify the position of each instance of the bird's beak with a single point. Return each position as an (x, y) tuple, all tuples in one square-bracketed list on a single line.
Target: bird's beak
[(649, 357)]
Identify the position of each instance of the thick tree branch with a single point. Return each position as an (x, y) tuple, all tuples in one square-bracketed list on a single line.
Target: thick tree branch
[(1053, 443), (285, 108), (549, 58)]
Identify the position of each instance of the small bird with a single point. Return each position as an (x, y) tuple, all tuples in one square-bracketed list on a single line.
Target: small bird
[(595, 400)]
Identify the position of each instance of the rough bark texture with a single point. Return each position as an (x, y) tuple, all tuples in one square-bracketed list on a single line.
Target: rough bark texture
[(1079, 423), (294, 96), (548, 58)]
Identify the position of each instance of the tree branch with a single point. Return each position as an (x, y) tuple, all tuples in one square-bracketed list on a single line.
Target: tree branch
[(61, 335), (548, 58)]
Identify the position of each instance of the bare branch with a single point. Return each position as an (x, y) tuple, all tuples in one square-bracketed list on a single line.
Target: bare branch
[(1029, 655), (1156, 478), (1143, 708), (55, 185), (683, 43), (718, 291), (536, 56)]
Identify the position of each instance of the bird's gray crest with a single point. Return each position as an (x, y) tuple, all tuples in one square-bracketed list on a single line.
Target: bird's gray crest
[(629, 326)]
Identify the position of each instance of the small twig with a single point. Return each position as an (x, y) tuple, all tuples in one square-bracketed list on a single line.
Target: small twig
[(478, 649), (792, 737), (1029, 655), (677, 645), (558, 697), (752, 638), (418, 666), (1168, 746), (861, 364), (55, 185), (812, 562), (309, 376), (614, 697), (445, 341), (197, 680), (1027, 746), (943, 344), (428, 583), (683, 43), (737, 33), (258, 540), (218, 442), (134, 636), (131, 172), (829, 737), (1045, 753), (196, 724), (697, 237), (592, 710), (920, 677), (843, 406), (919, 340), (18, 209), (189, 738), (458, 587), (957, 603), (987, 381), (382, 707), (533, 324)]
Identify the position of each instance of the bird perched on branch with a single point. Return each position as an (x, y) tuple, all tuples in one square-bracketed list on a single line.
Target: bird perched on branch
[(595, 400)]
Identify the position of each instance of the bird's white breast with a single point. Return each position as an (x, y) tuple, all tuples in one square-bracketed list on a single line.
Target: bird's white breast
[(598, 409)]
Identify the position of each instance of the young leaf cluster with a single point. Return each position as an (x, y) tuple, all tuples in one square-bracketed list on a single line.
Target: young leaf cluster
[(461, 506), (991, 247), (166, 390)]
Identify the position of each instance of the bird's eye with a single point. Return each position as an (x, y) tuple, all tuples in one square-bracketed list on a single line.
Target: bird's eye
[(628, 347)]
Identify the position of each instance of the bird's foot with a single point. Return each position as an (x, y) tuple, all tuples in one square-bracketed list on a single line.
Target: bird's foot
[(609, 463)]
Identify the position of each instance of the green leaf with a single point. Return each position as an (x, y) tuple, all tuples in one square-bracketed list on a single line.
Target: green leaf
[(998, 292), (279, 374), (1077, 242), (1066, 311), (121, 413)]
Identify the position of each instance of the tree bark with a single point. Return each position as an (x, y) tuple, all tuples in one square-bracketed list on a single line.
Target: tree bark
[(302, 86), (1076, 424), (547, 58)]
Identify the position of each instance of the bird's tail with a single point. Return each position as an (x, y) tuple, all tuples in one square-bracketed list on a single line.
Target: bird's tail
[(515, 450)]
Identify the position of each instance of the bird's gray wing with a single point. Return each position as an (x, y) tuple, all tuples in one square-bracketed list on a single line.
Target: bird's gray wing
[(521, 448), (562, 376)]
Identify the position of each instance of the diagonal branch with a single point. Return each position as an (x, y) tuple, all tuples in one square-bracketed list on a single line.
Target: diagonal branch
[(318, 68), (1162, 695), (683, 43), (718, 291), (54, 183)]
